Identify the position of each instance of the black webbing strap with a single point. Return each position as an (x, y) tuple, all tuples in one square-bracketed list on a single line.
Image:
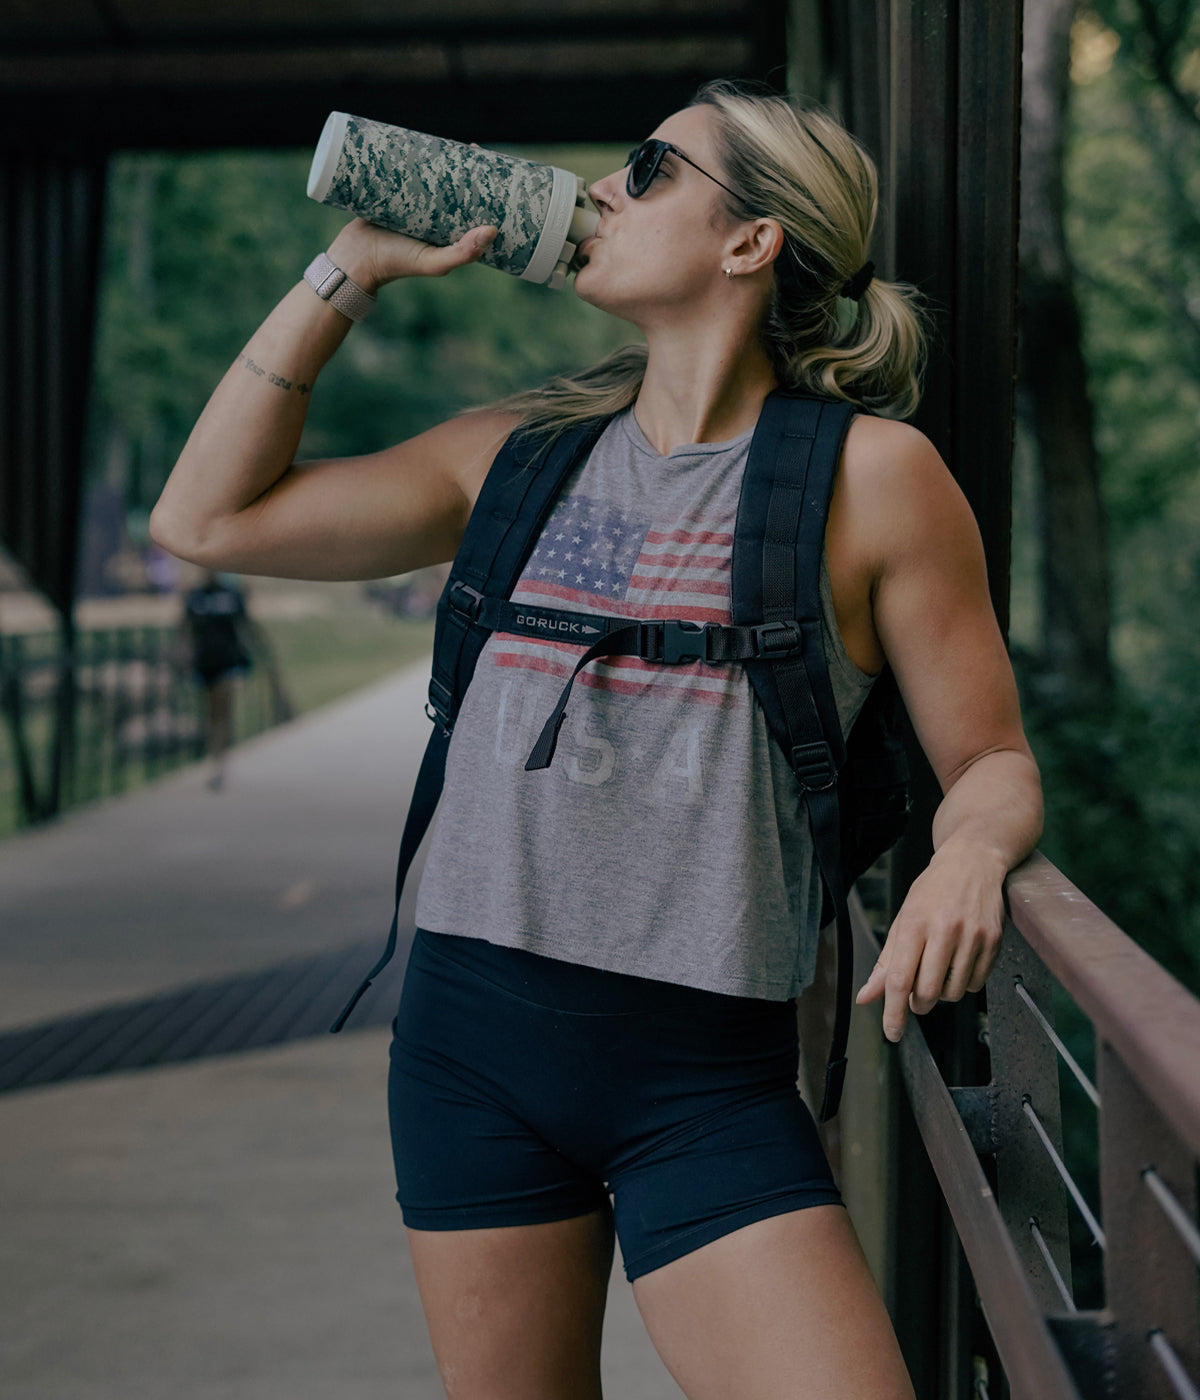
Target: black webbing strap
[(666, 641), (517, 497), (424, 803), (518, 494), (777, 553), (669, 641)]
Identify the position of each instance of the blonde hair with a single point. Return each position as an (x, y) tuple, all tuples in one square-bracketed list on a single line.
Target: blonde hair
[(798, 166)]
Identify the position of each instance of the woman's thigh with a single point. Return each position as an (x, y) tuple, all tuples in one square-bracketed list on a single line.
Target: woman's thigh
[(783, 1308), (516, 1312)]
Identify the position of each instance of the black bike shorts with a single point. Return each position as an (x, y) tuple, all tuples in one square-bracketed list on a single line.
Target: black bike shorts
[(524, 1090)]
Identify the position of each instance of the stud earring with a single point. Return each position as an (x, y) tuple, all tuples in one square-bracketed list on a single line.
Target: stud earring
[(729, 273)]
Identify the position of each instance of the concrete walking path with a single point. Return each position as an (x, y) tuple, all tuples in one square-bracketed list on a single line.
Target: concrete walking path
[(227, 1227)]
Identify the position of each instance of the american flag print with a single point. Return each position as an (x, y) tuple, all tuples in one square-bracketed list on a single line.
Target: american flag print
[(593, 557)]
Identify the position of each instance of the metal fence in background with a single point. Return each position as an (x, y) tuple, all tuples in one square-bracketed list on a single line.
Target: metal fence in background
[(92, 714)]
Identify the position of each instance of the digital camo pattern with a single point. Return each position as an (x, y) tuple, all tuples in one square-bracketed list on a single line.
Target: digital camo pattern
[(436, 190)]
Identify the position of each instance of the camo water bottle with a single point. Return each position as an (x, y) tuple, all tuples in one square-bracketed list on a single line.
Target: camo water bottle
[(435, 190)]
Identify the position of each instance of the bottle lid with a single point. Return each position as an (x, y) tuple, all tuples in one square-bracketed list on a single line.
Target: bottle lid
[(326, 156)]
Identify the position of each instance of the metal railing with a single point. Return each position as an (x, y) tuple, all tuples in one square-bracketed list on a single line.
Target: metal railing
[(1030, 1213), (104, 711)]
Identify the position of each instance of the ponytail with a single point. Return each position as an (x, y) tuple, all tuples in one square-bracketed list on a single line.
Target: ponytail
[(872, 355)]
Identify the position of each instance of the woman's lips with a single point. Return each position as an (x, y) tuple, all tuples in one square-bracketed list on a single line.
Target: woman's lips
[(580, 257)]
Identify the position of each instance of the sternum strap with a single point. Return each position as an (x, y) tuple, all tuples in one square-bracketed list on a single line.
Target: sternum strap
[(663, 641)]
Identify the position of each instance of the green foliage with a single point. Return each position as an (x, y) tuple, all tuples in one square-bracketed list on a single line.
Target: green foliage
[(199, 249), (1122, 817), (1133, 201)]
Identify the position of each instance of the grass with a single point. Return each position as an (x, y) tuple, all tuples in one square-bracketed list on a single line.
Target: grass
[(323, 658)]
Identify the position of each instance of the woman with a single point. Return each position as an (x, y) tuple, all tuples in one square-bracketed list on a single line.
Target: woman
[(601, 1007)]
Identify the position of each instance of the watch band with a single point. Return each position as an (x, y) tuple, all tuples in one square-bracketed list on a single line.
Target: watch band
[(332, 285)]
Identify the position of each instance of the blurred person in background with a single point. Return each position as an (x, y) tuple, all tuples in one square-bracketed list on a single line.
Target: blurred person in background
[(221, 640)]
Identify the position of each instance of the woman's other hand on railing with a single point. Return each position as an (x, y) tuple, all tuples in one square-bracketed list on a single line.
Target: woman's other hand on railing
[(945, 940)]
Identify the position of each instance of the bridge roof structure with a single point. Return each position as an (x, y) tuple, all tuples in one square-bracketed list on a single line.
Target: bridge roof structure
[(188, 73)]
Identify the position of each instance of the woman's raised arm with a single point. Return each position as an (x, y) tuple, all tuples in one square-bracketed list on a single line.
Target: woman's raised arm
[(237, 499)]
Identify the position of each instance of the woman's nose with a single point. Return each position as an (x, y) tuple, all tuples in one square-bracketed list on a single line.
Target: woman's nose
[(602, 192)]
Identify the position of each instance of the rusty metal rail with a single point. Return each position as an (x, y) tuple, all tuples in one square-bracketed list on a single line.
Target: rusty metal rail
[(997, 1151)]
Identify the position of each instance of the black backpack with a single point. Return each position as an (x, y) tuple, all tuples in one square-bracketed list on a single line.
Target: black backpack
[(855, 792)]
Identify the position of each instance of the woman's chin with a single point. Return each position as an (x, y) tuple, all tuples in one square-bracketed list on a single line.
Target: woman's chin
[(591, 286), (585, 282)]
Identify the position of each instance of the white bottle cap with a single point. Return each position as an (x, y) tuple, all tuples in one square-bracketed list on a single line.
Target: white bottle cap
[(325, 157)]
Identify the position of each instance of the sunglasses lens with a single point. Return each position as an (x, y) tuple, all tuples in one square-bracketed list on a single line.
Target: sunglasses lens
[(643, 163)]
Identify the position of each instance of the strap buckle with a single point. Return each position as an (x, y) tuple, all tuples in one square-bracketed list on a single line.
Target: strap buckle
[(683, 642), (814, 767), (777, 638), (465, 600)]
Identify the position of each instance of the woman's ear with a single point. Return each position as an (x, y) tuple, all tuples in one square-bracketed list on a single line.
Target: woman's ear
[(757, 246)]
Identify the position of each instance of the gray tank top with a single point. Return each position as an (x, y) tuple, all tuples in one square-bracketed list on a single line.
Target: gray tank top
[(668, 839)]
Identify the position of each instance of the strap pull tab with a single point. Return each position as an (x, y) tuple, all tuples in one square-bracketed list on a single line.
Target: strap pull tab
[(774, 639), (623, 641), (814, 767), (465, 599), (835, 1078), (543, 750)]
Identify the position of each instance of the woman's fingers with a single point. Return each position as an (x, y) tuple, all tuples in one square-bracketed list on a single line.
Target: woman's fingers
[(933, 953), (430, 261), (892, 978), (373, 256)]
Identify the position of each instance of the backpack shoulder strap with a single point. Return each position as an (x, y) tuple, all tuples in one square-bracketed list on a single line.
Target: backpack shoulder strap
[(779, 541), (518, 494), (776, 569)]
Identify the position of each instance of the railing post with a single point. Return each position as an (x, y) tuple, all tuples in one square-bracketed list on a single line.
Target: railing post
[(1150, 1278), (62, 761), (1025, 1070), (15, 663)]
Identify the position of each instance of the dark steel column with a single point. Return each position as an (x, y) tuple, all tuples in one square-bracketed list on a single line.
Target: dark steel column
[(932, 87), (50, 222)]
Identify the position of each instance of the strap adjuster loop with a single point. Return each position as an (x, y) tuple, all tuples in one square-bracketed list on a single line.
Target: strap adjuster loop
[(465, 599), (814, 767), (777, 638)]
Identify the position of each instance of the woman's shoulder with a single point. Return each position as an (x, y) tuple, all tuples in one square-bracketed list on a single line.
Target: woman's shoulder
[(888, 447), (894, 490), (893, 463)]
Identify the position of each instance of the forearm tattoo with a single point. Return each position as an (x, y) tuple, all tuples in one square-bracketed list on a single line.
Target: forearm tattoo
[(277, 379)]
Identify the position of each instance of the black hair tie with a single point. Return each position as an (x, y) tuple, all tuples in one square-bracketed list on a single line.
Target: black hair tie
[(855, 286)]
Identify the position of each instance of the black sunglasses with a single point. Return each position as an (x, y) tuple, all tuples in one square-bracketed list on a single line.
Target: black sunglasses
[(643, 162)]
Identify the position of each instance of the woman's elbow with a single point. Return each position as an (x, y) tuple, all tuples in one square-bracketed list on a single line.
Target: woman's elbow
[(173, 533)]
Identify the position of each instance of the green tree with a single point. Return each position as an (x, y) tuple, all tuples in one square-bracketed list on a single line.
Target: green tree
[(198, 250), (1122, 771)]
